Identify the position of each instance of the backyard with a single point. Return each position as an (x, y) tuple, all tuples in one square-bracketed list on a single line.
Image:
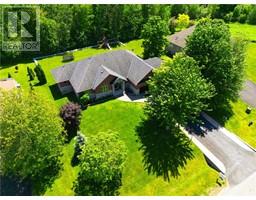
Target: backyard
[(124, 117)]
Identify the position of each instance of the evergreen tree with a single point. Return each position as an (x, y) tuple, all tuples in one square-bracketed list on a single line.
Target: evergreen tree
[(40, 74)]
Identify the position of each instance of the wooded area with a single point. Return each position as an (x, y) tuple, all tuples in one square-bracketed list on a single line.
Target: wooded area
[(66, 27)]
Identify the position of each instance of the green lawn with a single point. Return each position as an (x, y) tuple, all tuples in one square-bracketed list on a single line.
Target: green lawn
[(123, 117), (248, 32)]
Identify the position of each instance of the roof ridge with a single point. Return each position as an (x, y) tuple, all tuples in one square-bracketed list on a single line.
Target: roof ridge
[(85, 71)]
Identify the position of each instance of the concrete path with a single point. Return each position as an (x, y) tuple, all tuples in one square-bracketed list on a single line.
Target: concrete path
[(248, 94), (238, 158), (132, 98)]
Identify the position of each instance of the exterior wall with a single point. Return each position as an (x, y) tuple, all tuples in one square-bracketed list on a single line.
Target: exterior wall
[(133, 88), (65, 87), (98, 93), (172, 49)]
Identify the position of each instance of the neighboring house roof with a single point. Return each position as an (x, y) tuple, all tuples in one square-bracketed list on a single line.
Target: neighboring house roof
[(89, 73), (8, 84), (179, 38)]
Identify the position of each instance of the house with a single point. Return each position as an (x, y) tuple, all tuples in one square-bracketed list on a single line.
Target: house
[(178, 40), (108, 74), (8, 84)]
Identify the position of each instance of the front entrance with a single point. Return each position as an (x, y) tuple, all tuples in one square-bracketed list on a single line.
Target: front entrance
[(118, 87)]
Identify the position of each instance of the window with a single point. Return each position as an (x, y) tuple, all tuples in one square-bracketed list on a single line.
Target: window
[(104, 88)]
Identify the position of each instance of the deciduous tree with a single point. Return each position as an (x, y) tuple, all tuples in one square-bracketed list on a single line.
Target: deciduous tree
[(31, 140), (210, 45), (178, 92), (101, 164), (154, 34)]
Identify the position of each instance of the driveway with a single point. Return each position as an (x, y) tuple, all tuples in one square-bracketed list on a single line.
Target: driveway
[(248, 94), (238, 159)]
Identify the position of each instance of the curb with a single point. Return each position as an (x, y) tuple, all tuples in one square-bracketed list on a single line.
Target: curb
[(229, 134)]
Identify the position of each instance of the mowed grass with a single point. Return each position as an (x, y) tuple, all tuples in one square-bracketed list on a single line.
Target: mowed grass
[(238, 123), (124, 117), (247, 32)]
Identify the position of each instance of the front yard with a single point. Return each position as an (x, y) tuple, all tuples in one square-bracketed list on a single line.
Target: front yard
[(123, 117)]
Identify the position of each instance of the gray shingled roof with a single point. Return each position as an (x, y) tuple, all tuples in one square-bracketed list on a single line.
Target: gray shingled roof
[(179, 38), (89, 73), (154, 62)]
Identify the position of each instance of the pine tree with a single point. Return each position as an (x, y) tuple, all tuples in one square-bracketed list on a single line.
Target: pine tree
[(40, 74), (31, 74)]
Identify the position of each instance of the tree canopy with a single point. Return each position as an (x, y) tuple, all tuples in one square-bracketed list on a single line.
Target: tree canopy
[(153, 33), (178, 92), (31, 140), (101, 163), (210, 45)]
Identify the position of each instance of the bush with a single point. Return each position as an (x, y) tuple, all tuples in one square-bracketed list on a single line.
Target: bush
[(9, 75), (172, 25), (68, 56), (182, 21), (71, 115), (80, 142), (85, 99), (40, 74)]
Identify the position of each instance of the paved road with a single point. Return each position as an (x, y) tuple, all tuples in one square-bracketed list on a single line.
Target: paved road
[(239, 162), (248, 94)]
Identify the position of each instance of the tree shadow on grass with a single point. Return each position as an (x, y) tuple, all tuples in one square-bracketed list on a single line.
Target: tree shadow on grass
[(165, 151)]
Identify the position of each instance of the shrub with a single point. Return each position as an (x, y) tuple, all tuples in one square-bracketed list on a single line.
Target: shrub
[(9, 75), (182, 21), (172, 25), (85, 99), (71, 115), (16, 67), (40, 74), (31, 74), (68, 56)]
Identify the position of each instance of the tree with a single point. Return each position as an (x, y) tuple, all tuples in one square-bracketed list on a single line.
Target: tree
[(71, 115), (178, 92), (252, 15), (182, 21), (31, 140), (49, 34), (210, 45), (40, 74), (31, 74), (153, 33), (101, 164)]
